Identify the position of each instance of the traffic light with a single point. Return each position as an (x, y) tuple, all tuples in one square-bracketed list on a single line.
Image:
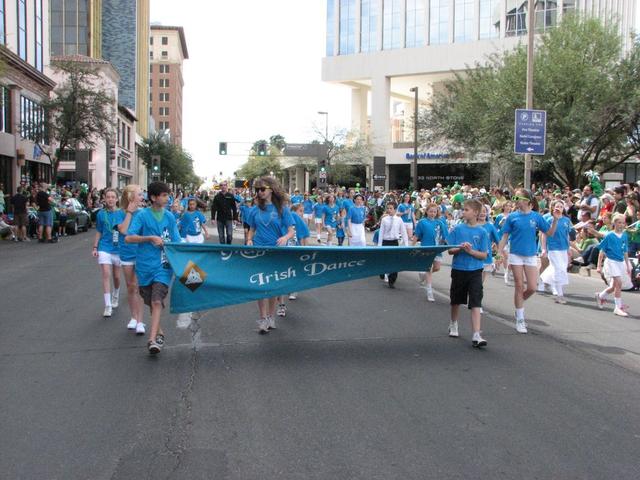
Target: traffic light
[(262, 149), (322, 171), (155, 166), (222, 148), (112, 153)]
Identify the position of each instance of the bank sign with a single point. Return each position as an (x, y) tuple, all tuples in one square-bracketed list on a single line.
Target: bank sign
[(530, 132)]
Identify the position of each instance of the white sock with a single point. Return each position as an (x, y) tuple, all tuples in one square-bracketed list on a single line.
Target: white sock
[(520, 313), (618, 301), (603, 295), (558, 289), (429, 287), (116, 292), (476, 335), (107, 299)]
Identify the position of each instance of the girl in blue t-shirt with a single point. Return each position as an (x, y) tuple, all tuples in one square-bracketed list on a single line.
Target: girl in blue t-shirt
[(193, 224), (106, 249), (271, 225), (318, 212), (556, 249), (131, 202), (406, 211), (245, 212), (499, 221), (614, 250), (431, 230), (340, 229), (330, 217), (521, 229), (307, 205)]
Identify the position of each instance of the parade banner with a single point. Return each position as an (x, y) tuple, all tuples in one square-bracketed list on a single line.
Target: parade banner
[(213, 275)]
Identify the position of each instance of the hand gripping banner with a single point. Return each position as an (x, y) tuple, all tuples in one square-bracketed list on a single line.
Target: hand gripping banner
[(211, 276)]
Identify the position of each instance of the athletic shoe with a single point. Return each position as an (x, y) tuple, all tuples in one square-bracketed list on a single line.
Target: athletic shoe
[(263, 326), (271, 323), (133, 323), (293, 296), (195, 315), (506, 278), (392, 285), (114, 300), (430, 296), (541, 288), (620, 312), (422, 278), (453, 329), (153, 347), (521, 325), (140, 330), (477, 341), (107, 312), (600, 301), (386, 277), (282, 310), (561, 300), (160, 339)]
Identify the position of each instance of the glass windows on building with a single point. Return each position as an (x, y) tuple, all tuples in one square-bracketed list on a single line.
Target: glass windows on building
[(391, 24), (489, 19), (546, 14), (38, 34), (438, 21), (347, 27), (31, 120), (3, 38), (69, 23), (22, 29), (416, 20), (5, 109), (516, 18), (330, 28), (570, 5), (463, 25), (369, 25)]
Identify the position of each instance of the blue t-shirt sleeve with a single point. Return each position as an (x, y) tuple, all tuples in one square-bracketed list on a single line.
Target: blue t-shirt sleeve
[(202, 218), (100, 221), (251, 218), (173, 229), (484, 242), (452, 238), (508, 224), (287, 219), (135, 227), (543, 225), (444, 231), (495, 236)]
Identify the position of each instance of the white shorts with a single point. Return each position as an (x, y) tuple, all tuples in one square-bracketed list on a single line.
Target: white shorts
[(105, 258), (613, 268), (488, 267), (318, 221), (358, 238), (515, 259), (556, 272), (126, 263), (195, 238), (307, 216)]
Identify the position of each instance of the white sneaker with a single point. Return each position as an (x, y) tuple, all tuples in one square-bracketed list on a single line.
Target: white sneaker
[(422, 277), (114, 301), (541, 288), (453, 329), (271, 323), (293, 296), (477, 341), (620, 312), (282, 310), (107, 312), (132, 324), (561, 300), (521, 325), (600, 301), (140, 330), (430, 296), (263, 326), (386, 278)]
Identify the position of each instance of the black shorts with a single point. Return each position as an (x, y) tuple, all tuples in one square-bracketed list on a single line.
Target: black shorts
[(246, 226), (156, 292), (466, 288)]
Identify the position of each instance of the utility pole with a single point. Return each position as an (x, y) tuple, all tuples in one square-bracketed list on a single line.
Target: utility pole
[(414, 165), (530, 45)]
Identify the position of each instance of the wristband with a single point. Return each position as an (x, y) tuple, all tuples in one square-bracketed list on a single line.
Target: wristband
[(95, 248)]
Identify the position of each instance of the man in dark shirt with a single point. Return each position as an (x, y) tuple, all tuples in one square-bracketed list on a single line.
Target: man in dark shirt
[(20, 219), (223, 212), (45, 214)]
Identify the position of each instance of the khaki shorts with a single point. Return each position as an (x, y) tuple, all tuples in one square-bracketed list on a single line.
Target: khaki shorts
[(21, 220), (156, 292)]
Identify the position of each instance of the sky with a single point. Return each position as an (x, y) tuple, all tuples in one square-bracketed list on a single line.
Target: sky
[(254, 70)]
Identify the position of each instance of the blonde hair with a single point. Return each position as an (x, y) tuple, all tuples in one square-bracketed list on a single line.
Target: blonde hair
[(617, 216), (128, 195)]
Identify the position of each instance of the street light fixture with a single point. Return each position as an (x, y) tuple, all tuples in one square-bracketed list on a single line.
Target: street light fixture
[(326, 125), (414, 165)]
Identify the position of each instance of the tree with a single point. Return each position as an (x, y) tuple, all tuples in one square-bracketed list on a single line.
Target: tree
[(347, 152), (590, 91), (262, 165), (176, 164), (80, 113)]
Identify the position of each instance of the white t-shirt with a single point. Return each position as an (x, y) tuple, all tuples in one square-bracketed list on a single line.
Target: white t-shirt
[(593, 202)]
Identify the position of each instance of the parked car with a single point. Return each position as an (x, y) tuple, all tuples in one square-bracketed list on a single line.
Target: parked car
[(78, 219)]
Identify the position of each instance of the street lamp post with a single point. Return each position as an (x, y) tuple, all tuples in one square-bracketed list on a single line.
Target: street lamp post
[(326, 125), (414, 165), (530, 33)]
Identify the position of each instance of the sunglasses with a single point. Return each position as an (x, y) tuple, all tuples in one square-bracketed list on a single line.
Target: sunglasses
[(517, 198), (262, 189)]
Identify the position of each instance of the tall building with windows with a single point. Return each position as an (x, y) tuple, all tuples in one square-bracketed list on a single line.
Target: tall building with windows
[(168, 51), (24, 33), (380, 49)]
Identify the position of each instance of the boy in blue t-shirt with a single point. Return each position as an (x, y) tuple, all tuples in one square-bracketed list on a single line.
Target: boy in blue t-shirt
[(151, 228), (466, 269)]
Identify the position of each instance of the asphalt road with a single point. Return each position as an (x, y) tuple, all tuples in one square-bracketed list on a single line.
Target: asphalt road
[(358, 382)]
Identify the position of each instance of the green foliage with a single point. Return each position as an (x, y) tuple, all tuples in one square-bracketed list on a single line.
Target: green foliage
[(81, 111), (590, 92), (176, 164)]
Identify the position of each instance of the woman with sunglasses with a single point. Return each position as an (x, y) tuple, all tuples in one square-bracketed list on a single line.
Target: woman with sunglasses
[(521, 230), (271, 224)]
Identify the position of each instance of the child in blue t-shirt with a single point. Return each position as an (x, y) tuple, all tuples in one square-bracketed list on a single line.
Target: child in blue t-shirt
[(106, 249), (466, 269), (340, 230), (151, 228), (431, 230), (193, 224), (614, 250), (245, 213), (318, 212), (494, 238)]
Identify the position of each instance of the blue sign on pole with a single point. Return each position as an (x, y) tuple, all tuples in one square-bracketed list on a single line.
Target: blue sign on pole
[(530, 132)]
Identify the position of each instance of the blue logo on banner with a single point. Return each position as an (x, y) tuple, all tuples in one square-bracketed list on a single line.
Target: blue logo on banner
[(211, 276)]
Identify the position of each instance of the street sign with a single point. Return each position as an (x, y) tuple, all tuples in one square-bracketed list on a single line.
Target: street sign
[(530, 132), (379, 177), (323, 175)]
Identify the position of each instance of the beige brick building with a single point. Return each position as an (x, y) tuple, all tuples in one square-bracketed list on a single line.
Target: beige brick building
[(167, 52)]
